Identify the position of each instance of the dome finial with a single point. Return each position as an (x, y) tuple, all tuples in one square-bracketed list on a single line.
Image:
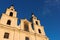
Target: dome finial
[(32, 14)]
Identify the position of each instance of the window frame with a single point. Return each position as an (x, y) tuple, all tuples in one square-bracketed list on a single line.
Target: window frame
[(6, 35)]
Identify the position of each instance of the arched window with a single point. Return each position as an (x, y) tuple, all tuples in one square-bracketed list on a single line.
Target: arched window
[(36, 22), (9, 22), (39, 30), (26, 28), (26, 38), (11, 14)]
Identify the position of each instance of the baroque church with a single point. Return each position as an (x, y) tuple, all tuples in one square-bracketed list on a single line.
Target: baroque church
[(26, 30)]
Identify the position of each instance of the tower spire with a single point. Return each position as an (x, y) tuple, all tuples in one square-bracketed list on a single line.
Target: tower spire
[(33, 16)]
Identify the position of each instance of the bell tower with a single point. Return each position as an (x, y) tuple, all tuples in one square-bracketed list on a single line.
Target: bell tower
[(11, 11), (37, 26), (34, 20), (9, 17)]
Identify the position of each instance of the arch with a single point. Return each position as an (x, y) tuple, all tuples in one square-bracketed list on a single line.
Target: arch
[(37, 22), (9, 22), (39, 30), (26, 27), (11, 14)]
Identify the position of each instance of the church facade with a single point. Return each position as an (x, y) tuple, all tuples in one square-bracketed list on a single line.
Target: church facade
[(9, 30)]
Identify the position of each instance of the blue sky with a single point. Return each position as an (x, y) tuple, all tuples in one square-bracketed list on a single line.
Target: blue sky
[(47, 11)]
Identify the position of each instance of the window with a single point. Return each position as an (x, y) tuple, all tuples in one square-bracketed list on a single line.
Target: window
[(26, 28), (8, 22), (26, 38), (11, 14), (6, 35), (36, 22), (39, 30)]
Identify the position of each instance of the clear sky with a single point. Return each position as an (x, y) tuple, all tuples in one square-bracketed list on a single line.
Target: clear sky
[(47, 11)]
